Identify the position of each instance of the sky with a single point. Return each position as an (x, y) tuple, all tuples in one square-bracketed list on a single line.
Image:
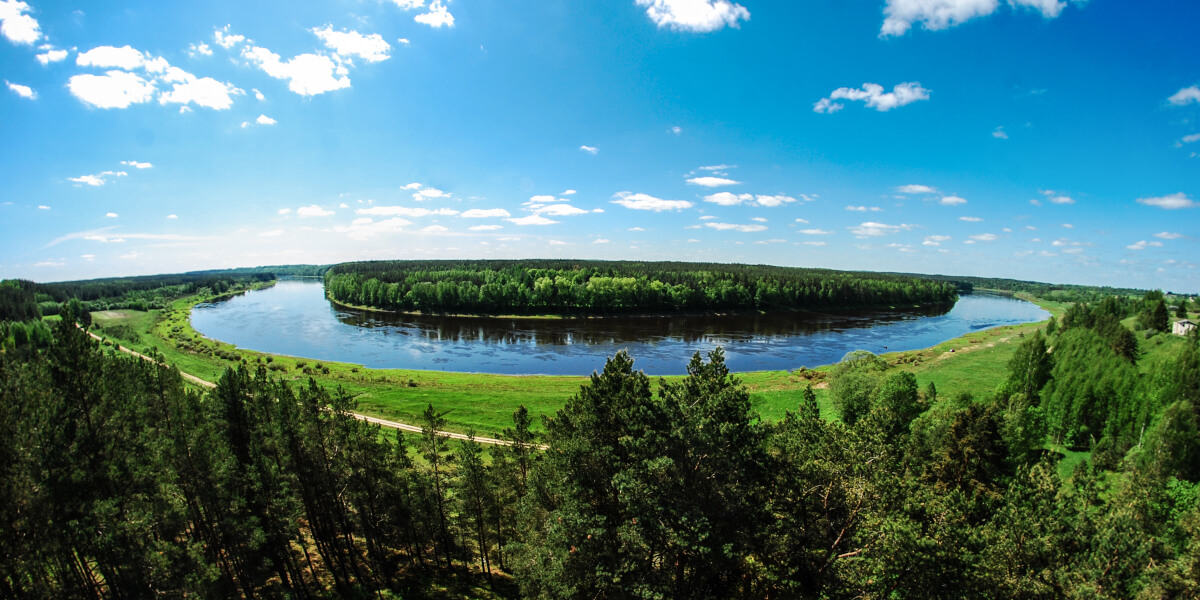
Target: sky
[(1045, 140)]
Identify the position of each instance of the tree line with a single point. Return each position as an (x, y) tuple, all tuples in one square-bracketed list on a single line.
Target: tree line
[(603, 287), (120, 482)]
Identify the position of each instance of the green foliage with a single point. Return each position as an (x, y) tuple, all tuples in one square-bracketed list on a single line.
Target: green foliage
[(601, 287), (855, 381)]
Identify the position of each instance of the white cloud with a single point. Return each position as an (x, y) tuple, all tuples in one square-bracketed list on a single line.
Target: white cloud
[(675, 130), (985, 237), (115, 89), (403, 41), (953, 200), (999, 133), (259, 95), (409, 4), (429, 194), (875, 97), (484, 213), (776, 200), (569, 193), (52, 56), (111, 215), (699, 16), (313, 211), (712, 181), (172, 216), (721, 167), (814, 243), (934, 15), (125, 57), (435, 229), (734, 227), (557, 243), (23, 91), (728, 198), (43, 207), (1166, 235), (365, 228), (1141, 245), (816, 232), (204, 91), (914, 188), (601, 241), (17, 26), (636, 229), (371, 47), (970, 219), (437, 17), (531, 220), (1171, 202), (412, 186), (871, 229), (1187, 139), (759, 219), (486, 227), (200, 48), (590, 149), (306, 74), (284, 211), (1186, 95), (137, 165), (801, 221), (49, 263), (225, 39), (265, 120), (853, 208), (271, 233), (1062, 200), (404, 211), (560, 210), (647, 202), (935, 240), (98, 179), (87, 257)]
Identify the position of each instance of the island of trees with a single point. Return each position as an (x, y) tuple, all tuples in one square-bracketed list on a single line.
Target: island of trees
[(557, 287)]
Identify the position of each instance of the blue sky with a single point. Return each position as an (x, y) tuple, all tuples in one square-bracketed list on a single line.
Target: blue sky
[(1034, 139)]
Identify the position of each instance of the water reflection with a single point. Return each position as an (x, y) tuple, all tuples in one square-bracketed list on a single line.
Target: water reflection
[(294, 318)]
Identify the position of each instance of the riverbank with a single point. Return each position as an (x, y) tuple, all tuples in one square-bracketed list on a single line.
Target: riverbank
[(972, 363)]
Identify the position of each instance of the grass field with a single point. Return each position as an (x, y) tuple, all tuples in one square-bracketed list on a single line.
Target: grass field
[(974, 363)]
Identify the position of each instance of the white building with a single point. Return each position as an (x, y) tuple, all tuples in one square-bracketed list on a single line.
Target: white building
[(1183, 327)]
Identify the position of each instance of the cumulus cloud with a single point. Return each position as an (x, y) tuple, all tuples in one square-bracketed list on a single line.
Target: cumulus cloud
[(953, 200), (532, 220), (647, 202), (200, 49), (999, 133), (52, 56), (935, 240), (1062, 200), (590, 149), (735, 227), (125, 57), (1186, 95), (306, 74), (914, 188), (203, 91), (970, 219), (872, 229), (23, 91), (874, 96), (853, 208), (699, 16), (712, 181), (437, 16), (485, 213), (429, 194), (1167, 235), (17, 26), (816, 232), (486, 227), (111, 215), (313, 211), (559, 210), (225, 39), (934, 15), (98, 179), (115, 89), (371, 47), (728, 198), (265, 120), (985, 237), (137, 165), (1171, 202), (1141, 245), (775, 200)]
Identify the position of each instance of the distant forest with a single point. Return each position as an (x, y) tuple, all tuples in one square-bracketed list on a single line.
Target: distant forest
[(116, 481), (563, 287)]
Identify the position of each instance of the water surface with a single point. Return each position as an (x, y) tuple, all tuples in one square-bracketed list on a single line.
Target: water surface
[(294, 318)]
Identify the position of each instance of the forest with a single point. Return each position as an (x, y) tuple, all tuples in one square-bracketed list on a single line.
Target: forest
[(557, 287), (119, 481)]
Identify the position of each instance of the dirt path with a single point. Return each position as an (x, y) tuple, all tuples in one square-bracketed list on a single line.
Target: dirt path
[(377, 421)]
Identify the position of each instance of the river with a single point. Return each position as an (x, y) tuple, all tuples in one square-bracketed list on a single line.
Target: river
[(294, 318)]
